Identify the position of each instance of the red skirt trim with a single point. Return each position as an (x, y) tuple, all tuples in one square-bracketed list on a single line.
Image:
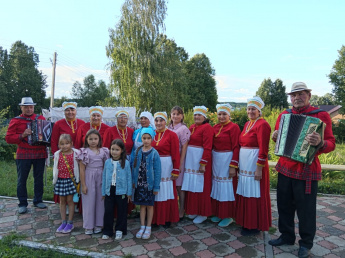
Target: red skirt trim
[(223, 210)]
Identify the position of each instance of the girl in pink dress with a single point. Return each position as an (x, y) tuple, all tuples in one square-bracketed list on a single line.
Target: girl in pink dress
[(183, 134), (92, 158)]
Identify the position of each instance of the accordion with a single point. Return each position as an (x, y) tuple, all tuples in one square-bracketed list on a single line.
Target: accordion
[(41, 132), (292, 132)]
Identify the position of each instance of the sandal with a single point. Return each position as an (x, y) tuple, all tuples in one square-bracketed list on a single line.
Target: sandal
[(140, 232), (147, 234)]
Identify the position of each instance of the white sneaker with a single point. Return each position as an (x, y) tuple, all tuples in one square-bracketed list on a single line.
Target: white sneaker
[(97, 230), (88, 231), (105, 237), (192, 216), (118, 235), (199, 219)]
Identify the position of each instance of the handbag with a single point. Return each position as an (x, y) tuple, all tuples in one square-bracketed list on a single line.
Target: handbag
[(77, 186)]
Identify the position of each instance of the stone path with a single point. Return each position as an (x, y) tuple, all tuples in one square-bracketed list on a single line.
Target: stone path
[(183, 239)]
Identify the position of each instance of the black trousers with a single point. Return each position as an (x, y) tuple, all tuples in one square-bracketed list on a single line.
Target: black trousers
[(23, 170), (291, 197), (109, 205)]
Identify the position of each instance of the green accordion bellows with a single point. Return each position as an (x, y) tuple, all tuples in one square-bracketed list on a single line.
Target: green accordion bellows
[(292, 132)]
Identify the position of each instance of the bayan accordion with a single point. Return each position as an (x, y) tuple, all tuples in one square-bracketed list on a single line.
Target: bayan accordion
[(41, 132), (292, 132)]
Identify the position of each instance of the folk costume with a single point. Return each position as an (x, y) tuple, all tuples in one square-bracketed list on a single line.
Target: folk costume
[(225, 154), (183, 135), (198, 185), (298, 182), (82, 130), (253, 204), (116, 132), (63, 126), (27, 156), (166, 204)]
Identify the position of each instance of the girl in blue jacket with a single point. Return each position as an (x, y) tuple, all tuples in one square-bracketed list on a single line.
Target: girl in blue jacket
[(116, 190), (146, 180)]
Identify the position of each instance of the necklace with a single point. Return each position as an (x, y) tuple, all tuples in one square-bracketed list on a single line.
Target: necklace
[(96, 127), (123, 134), (71, 126), (222, 128), (159, 138), (250, 125)]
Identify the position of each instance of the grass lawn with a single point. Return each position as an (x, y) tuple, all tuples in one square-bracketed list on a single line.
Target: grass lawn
[(9, 249), (8, 181)]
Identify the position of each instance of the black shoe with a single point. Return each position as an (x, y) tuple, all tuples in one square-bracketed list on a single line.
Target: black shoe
[(167, 225), (249, 232), (303, 252), (279, 241)]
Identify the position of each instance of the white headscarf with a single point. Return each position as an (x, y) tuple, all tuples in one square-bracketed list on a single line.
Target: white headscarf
[(149, 116)]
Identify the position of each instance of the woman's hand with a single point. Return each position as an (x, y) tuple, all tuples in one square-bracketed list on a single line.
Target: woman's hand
[(155, 193), (84, 189), (129, 198), (103, 197), (258, 173), (174, 177), (232, 172), (202, 168)]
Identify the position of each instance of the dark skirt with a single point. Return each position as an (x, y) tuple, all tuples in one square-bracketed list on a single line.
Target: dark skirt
[(64, 187)]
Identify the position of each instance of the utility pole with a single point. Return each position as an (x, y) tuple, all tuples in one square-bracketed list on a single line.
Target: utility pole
[(53, 82)]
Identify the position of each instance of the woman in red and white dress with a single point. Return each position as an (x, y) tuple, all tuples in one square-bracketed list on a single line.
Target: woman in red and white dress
[(68, 125), (197, 179), (224, 164), (96, 114), (253, 204), (120, 131), (167, 144)]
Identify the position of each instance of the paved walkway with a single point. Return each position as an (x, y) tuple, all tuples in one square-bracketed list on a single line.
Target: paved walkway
[(183, 239)]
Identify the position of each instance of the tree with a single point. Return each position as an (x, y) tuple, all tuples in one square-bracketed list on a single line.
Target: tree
[(90, 93), (201, 83), (132, 50), (337, 78), (20, 77), (273, 93)]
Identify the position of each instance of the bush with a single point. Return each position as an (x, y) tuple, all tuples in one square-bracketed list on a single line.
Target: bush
[(339, 131), (6, 150)]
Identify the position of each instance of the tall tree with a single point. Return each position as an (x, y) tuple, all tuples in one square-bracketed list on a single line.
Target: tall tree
[(273, 93), (91, 92), (20, 77), (337, 78), (132, 50), (327, 99), (201, 83)]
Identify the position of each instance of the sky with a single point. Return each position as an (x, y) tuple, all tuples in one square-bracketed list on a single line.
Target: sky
[(246, 41)]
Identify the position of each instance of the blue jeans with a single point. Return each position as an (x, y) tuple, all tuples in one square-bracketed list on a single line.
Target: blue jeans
[(23, 170)]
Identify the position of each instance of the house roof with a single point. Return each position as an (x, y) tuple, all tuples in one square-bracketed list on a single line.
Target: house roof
[(329, 108)]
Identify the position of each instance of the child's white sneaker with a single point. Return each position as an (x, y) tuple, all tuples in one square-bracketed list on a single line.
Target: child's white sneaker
[(97, 230), (118, 235), (105, 237)]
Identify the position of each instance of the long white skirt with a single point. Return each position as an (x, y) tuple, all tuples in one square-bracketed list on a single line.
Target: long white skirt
[(247, 185), (166, 191), (222, 188), (193, 180)]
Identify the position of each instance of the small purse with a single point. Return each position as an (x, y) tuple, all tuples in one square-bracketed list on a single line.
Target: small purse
[(77, 186)]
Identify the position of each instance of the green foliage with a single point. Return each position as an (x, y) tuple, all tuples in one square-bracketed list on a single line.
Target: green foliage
[(273, 93), (9, 248), (20, 77), (339, 131), (201, 84), (327, 99), (337, 78), (6, 150), (91, 92)]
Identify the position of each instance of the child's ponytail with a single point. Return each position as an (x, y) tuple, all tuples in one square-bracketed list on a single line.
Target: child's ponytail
[(136, 156)]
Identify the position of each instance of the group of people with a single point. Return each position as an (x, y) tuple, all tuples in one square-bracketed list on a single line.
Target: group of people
[(169, 170)]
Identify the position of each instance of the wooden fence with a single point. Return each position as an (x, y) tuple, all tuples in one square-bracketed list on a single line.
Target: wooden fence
[(272, 164)]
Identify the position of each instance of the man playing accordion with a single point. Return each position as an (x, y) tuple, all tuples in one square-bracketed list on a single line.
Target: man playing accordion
[(27, 155), (297, 181)]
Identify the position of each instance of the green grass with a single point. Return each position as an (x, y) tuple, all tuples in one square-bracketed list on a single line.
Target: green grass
[(8, 181), (8, 248)]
